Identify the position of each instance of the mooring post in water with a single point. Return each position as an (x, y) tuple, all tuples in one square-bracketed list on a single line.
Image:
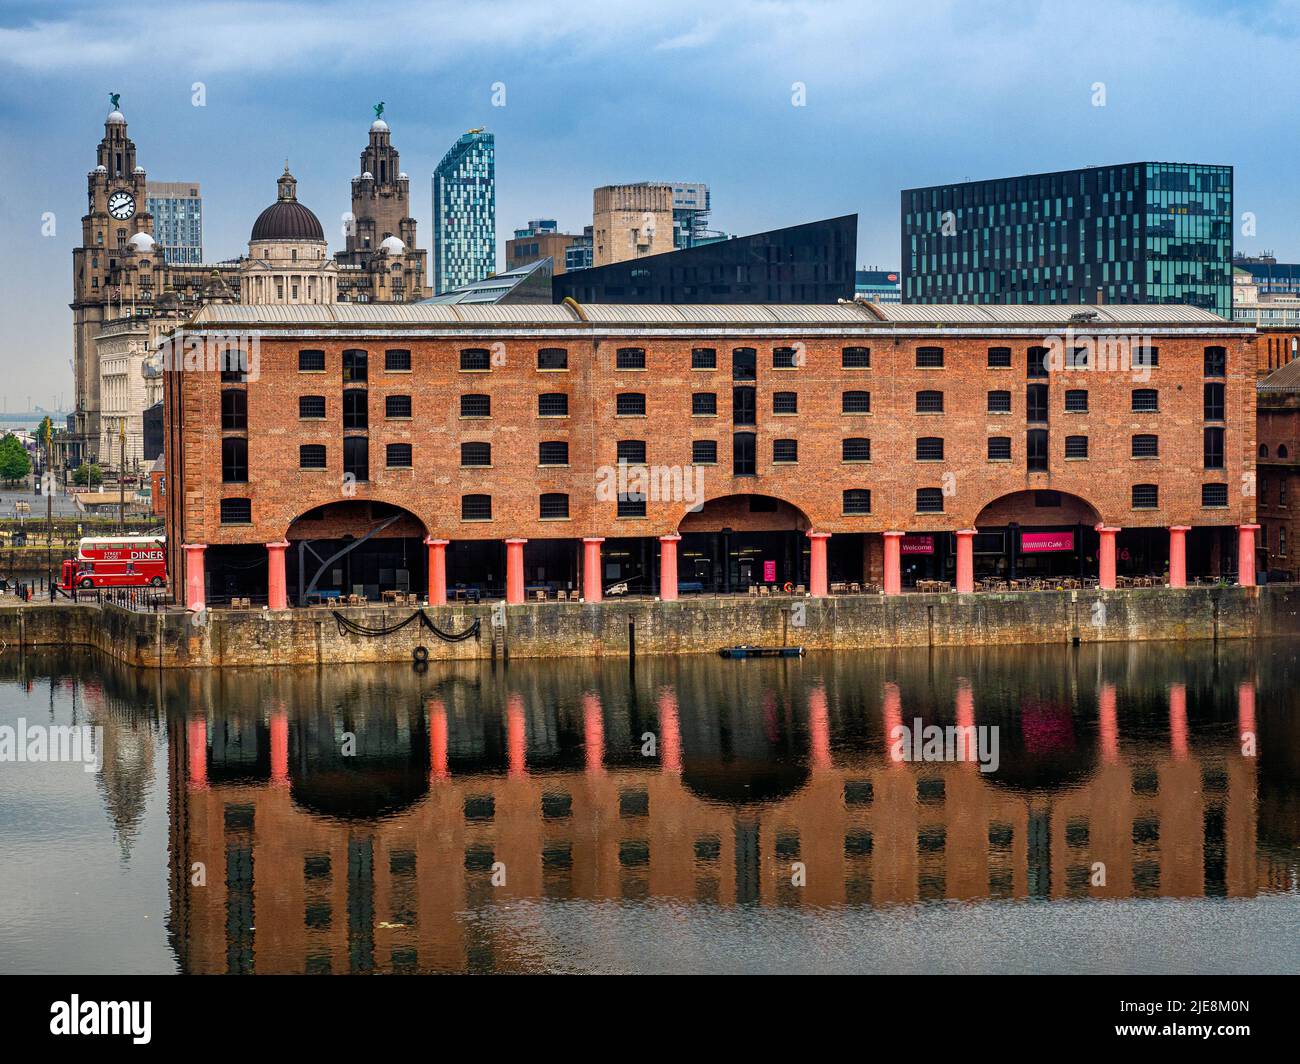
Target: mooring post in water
[(631, 639)]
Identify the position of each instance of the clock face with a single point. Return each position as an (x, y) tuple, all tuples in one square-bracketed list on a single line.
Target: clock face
[(121, 205)]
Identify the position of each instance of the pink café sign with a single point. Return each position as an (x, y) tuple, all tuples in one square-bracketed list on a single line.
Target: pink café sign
[(917, 545), (1038, 542)]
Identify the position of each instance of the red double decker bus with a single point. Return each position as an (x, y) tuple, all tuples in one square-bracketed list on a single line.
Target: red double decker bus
[(116, 561)]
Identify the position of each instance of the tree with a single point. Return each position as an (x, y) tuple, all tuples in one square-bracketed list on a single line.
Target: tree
[(14, 463), (88, 475)]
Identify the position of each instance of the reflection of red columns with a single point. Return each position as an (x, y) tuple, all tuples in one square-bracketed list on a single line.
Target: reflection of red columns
[(438, 740), (966, 561), (670, 732), (195, 596), (1178, 555), (591, 581), (668, 567), (515, 570), (965, 720), (593, 733), (1108, 724), (516, 736), (1246, 714), (819, 730), (817, 563), (279, 748), (277, 595), (893, 563), (438, 570), (893, 720), (1178, 721), (196, 748), (1246, 554), (1106, 557)]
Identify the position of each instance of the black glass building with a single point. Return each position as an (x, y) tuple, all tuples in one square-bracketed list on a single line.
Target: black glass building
[(1136, 233), (811, 263)]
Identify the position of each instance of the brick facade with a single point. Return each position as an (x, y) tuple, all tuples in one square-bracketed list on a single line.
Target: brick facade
[(967, 479)]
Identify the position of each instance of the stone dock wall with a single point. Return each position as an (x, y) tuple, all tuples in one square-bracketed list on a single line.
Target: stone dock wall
[(689, 626)]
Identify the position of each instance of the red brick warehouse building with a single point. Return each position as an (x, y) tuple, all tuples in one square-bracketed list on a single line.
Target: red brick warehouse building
[(474, 450)]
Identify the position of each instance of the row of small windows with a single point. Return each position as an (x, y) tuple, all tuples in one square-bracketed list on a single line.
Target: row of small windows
[(234, 404), (479, 359), (855, 501), (234, 451), (555, 453)]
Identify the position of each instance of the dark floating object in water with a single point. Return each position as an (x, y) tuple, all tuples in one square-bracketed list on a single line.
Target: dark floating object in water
[(746, 651)]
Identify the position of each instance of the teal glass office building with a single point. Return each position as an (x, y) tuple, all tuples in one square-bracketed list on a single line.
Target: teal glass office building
[(465, 212), (1136, 233)]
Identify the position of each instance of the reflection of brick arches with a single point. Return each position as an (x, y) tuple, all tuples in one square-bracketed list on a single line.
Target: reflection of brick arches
[(354, 517), (1020, 507), (737, 513)]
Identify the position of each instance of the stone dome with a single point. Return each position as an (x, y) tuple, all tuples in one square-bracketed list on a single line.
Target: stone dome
[(141, 242), (378, 126), (116, 118), (392, 247), (286, 218)]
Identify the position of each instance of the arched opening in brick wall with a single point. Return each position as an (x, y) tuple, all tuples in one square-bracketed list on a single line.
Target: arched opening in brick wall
[(355, 547), (1037, 534), (737, 541)]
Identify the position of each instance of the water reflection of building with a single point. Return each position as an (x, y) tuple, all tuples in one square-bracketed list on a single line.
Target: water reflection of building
[(317, 862)]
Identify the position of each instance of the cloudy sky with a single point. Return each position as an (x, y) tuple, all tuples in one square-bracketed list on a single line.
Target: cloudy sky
[(898, 94)]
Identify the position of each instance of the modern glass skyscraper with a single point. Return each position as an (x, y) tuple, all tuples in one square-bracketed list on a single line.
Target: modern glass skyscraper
[(465, 212), (1136, 233), (177, 209)]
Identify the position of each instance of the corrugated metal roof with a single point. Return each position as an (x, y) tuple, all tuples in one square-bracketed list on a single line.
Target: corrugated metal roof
[(1283, 379), (880, 315)]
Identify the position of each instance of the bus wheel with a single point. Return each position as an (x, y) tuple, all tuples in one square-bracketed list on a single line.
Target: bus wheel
[(87, 583), (156, 582)]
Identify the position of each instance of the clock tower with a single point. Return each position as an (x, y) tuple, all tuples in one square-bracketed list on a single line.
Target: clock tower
[(108, 272)]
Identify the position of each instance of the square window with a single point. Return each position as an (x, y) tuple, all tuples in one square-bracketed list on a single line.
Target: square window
[(785, 450), (704, 452), (553, 404), (630, 404), (553, 452), (929, 500), (855, 449), (857, 501)]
